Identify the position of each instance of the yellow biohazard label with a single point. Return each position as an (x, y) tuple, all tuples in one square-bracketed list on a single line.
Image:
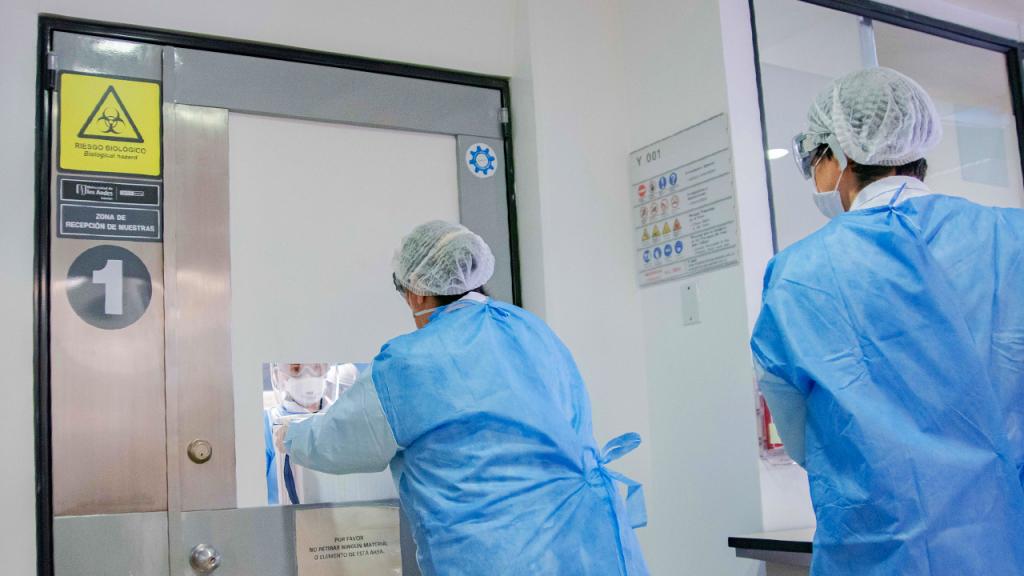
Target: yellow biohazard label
[(665, 231), (109, 125)]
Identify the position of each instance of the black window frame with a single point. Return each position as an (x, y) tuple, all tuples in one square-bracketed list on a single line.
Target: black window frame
[(877, 11)]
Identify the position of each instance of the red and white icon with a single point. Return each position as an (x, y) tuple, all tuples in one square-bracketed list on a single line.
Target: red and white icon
[(675, 202), (641, 191)]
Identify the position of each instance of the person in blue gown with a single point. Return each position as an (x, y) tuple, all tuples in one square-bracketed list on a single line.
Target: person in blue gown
[(890, 348), (300, 390), (485, 422)]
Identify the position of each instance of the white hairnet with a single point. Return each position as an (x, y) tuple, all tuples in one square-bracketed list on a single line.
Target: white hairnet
[(443, 259), (879, 117)]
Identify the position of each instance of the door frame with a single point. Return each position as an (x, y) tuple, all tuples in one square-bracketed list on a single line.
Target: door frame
[(45, 83)]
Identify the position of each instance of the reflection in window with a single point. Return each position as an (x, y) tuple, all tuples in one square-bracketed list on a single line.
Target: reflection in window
[(299, 390)]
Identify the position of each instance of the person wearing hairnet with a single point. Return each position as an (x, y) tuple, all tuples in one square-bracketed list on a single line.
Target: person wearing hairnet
[(301, 390), (486, 424), (890, 347)]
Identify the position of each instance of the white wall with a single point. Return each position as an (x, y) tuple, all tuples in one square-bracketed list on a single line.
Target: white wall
[(705, 483), (571, 142), (17, 55)]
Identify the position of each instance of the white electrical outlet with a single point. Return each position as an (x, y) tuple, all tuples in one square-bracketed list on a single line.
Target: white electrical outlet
[(691, 304)]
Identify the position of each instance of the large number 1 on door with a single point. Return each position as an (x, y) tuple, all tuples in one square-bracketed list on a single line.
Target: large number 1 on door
[(112, 278)]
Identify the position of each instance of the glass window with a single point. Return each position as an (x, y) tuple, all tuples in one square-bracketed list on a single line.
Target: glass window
[(979, 156), (803, 47)]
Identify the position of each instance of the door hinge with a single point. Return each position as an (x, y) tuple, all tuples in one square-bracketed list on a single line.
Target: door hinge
[(506, 126), (51, 70)]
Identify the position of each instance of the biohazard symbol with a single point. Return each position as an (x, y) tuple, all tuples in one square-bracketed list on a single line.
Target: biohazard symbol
[(110, 120)]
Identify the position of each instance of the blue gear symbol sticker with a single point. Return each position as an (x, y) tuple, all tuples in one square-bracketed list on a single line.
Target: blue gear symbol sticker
[(481, 160)]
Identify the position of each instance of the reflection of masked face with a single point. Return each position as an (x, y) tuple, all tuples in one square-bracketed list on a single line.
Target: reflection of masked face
[(305, 390)]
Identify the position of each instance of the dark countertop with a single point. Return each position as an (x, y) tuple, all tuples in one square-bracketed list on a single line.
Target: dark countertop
[(791, 541)]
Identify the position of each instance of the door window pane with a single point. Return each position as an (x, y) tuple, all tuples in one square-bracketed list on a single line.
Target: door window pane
[(317, 211)]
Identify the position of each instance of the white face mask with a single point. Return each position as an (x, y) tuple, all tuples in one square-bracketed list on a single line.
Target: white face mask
[(305, 390), (422, 313), (829, 203)]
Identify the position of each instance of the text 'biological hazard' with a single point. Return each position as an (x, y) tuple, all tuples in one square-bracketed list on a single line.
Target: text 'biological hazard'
[(109, 125)]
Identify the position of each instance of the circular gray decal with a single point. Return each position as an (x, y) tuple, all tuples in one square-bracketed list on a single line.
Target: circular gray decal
[(109, 287)]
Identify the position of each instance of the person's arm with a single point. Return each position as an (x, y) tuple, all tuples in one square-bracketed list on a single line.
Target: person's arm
[(271, 454), (352, 436), (789, 411)]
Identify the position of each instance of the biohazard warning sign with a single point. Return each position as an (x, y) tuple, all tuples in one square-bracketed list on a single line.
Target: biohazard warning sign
[(109, 125)]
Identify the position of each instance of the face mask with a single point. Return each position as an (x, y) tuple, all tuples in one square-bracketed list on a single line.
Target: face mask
[(829, 203), (305, 390)]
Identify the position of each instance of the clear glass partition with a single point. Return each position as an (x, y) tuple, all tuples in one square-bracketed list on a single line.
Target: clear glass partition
[(802, 47)]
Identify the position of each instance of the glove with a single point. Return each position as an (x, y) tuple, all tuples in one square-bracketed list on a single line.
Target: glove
[(279, 434)]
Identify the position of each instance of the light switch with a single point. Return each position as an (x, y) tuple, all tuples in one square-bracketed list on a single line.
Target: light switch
[(691, 304)]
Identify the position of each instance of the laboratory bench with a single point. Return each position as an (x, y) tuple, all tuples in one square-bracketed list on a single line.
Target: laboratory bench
[(784, 552)]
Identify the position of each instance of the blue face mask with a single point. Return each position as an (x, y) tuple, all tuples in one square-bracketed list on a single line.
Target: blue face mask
[(830, 203)]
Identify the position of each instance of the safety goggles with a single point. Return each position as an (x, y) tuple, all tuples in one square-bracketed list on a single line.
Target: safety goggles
[(804, 148), (300, 370), (806, 152)]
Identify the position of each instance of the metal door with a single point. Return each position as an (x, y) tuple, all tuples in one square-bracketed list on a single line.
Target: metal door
[(249, 218)]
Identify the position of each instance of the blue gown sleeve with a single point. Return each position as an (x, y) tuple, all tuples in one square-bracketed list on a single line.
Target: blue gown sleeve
[(802, 333), (268, 439), (789, 411), (352, 436)]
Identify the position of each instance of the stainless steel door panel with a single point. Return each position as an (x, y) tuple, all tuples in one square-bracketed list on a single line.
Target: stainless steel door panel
[(280, 88), (252, 541), (97, 55), (111, 545), (107, 389), (199, 305), (261, 541)]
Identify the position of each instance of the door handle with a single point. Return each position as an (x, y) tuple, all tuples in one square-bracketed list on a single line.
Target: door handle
[(204, 559)]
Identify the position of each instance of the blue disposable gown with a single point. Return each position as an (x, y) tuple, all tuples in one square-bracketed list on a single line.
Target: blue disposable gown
[(903, 328), (492, 450)]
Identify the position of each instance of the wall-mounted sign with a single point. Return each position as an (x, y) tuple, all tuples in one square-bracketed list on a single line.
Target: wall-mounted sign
[(481, 161), (111, 209), (109, 287), (109, 125), (684, 204), (145, 193), (348, 540)]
